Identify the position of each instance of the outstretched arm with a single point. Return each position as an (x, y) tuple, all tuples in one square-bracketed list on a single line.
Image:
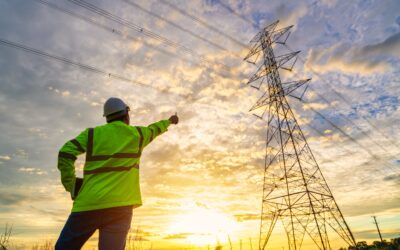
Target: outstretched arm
[(150, 132), (67, 157)]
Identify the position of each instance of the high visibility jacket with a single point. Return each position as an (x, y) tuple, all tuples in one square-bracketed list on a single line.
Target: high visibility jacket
[(111, 171)]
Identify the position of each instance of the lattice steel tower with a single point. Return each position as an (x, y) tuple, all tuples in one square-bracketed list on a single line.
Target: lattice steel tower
[(295, 191)]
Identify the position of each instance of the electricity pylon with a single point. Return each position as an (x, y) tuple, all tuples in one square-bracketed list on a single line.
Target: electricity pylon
[(294, 191), (377, 227)]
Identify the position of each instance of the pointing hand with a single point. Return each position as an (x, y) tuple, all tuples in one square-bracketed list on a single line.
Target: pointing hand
[(174, 119)]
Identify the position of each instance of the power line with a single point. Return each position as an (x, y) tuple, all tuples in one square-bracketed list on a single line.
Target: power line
[(361, 116), (202, 22), (216, 45), (74, 63), (352, 139), (115, 31), (124, 35), (341, 131), (126, 23), (83, 66), (142, 30), (319, 132), (349, 137), (205, 63), (353, 123), (348, 120), (102, 26), (344, 99), (229, 8)]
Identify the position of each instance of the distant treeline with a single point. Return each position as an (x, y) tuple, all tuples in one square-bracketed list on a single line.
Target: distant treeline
[(393, 244)]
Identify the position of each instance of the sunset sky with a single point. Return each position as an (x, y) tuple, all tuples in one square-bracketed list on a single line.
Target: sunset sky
[(202, 180)]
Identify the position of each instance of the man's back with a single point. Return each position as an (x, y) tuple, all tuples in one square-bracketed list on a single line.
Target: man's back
[(111, 171)]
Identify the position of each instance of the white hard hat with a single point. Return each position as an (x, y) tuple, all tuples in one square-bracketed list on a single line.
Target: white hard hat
[(114, 107)]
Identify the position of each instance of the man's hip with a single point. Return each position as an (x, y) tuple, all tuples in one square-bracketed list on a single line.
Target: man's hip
[(113, 225)]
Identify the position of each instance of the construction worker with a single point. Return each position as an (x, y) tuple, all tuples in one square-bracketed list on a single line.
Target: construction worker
[(110, 189)]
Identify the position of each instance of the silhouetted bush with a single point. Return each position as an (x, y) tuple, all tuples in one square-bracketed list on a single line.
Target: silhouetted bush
[(394, 244)]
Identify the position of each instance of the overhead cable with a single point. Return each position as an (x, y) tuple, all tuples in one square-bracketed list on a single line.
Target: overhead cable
[(142, 30), (74, 63), (177, 26), (202, 22), (117, 32), (330, 161), (347, 102), (349, 137), (244, 18), (364, 133)]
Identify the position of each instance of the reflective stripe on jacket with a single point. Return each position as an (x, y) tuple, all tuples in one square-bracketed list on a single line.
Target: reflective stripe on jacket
[(111, 171)]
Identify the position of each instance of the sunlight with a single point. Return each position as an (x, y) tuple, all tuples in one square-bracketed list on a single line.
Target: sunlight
[(203, 226)]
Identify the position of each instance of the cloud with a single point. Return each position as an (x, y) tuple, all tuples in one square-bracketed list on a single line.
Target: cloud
[(316, 106), (9, 199), (5, 157), (134, 237), (329, 3), (374, 200), (177, 236), (290, 15), (245, 217), (371, 234), (393, 177), (389, 47), (16, 196), (31, 170), (365, 60)]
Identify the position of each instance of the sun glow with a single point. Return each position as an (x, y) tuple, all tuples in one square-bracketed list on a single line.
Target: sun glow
[(203, 226)]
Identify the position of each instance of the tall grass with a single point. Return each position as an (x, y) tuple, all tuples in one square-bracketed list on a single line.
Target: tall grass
[(5, 237), (46, 245)]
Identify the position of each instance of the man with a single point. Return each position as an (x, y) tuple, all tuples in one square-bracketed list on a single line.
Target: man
[(110, 189)]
